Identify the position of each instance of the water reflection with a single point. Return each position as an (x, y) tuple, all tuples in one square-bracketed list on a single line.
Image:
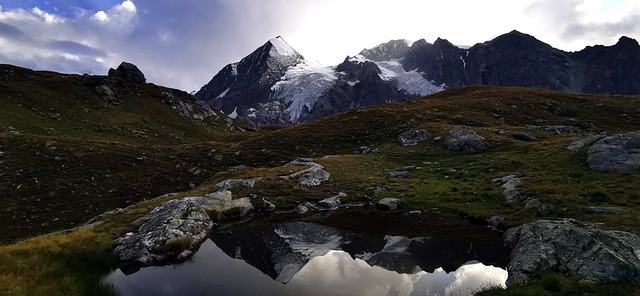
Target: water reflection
[(310, 259)]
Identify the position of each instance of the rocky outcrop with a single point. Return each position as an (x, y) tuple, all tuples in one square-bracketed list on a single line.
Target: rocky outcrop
[(465, 141), (388, 203), (579, 249), (235, 183), (222, 203), (129, 72), (510, 185), (195, 109), (412, 137), (557, 129), (170, 232), (618, 153), (312, 176)]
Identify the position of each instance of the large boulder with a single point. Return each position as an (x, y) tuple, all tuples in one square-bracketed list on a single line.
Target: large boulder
[(578, 144), (579, 249), (465, 141), (388, 203), (412, 137), (170, 232), (618, 153), (129, 72), (315, 176)]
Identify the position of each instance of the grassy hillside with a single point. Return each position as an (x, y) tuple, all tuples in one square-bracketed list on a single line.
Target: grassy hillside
[(67, 155), (84, 170)]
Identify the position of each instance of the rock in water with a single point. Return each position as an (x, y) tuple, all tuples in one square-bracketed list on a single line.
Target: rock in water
[(465, 141), (579, 249), (170, 232), (129, 72), (618, 153), (412, 137)]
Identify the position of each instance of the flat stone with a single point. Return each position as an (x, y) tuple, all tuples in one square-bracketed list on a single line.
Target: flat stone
[(388, 203)]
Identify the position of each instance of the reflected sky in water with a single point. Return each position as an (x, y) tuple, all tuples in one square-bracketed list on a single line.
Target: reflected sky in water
[(213, 272)]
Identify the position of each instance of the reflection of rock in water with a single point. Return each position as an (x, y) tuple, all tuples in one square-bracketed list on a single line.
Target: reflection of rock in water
[(280, 251)]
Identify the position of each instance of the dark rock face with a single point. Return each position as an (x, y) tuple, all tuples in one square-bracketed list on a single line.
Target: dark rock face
[(392, 50), (579, 249), (246, 84), (129, 72), (618, 153), (517, 59), (465, 141), (525, 137)]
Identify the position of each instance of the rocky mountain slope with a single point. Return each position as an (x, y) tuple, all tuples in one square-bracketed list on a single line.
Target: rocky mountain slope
[(275, 84)]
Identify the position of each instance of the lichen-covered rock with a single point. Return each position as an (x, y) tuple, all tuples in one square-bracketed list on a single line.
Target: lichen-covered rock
[(465, 141), (618, 153), (412, 137), (315, 176), (235, 183), (222, 202), (170, 232), (388, 203), (579, 249)]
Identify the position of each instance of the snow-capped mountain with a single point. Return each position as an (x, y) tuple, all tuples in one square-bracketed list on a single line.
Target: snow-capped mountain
[(275, 84)]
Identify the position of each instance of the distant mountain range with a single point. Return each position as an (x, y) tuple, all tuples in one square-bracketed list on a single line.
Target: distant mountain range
[(276, 85)]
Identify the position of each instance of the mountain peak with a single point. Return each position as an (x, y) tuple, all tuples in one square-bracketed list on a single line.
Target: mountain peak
[(625, 41), (282, 47)]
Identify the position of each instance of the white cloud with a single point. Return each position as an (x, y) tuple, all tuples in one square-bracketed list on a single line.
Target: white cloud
[(100, 16)]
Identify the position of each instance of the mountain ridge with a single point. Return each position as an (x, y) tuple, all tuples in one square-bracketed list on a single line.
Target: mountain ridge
[(292, 90)]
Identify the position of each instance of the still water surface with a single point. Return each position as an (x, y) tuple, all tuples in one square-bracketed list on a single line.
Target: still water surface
[(303, 258)]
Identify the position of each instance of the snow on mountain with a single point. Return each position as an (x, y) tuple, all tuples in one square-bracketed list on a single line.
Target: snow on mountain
[(282, 47), (302, 86), (412, 82)]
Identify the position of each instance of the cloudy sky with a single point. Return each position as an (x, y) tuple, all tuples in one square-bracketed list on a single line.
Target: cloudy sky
[(183, 43)]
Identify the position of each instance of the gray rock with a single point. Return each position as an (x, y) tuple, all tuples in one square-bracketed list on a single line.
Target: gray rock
[(268, 206), (496, 222), (558, 129), (578, 144), (388, 203), (525, 137), (235, 183), (465, 141), (604, 209), (533, 203), (618, 153), (412, 137), (107, 94), (314, 176), (170, 232), (545, 209), (222, 202), (331, 203), (510, 185), (400, 174), (235, 169), (188, 106), (579, 249), (129, 72), (301, 209)]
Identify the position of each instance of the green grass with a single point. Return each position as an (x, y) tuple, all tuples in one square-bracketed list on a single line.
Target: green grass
[(79, 164)]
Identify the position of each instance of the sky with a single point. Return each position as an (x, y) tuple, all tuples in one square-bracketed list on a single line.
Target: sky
[(184, 43)]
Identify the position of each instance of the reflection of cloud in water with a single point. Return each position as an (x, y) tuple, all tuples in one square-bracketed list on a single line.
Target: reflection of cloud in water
[(212, 272), (337, 273)]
